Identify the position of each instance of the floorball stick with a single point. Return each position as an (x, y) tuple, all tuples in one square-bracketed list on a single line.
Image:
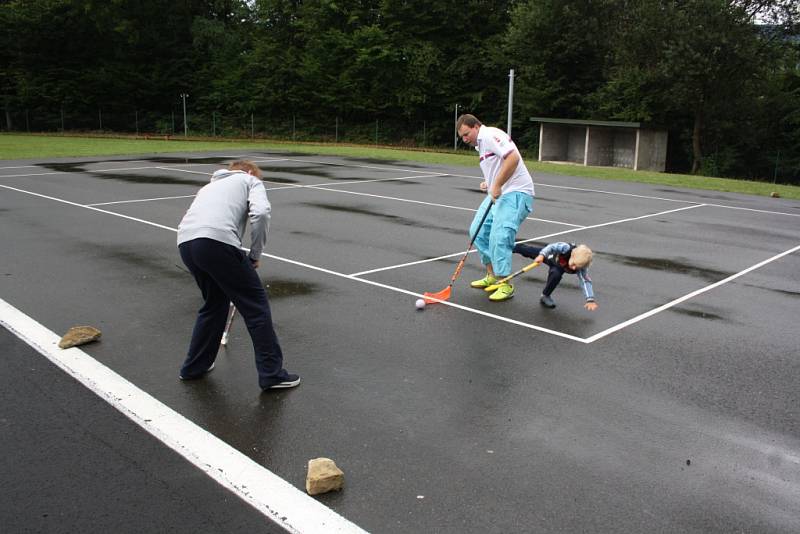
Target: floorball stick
[(228, 323)]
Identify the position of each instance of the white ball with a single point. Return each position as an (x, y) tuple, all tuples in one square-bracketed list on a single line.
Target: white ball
[(420, 304)]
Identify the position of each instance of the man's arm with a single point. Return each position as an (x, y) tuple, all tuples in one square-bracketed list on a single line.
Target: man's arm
[(259, 213), (506, 170)]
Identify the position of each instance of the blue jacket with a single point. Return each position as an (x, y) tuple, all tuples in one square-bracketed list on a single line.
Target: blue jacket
[(559, 254)]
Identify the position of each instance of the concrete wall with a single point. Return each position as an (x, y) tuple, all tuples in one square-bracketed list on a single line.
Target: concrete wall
[(607, 146), (560, 142), (576, 148), (652, 150), (611, 147), (553, 142)]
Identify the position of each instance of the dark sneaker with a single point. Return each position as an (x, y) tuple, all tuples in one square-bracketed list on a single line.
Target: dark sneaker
[(289, 381), (547, 302), (201, 375)]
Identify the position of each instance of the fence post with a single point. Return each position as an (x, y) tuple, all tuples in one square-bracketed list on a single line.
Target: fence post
[(294, 127), (376, 132), (100, 113), (336, 138), (62, 119), (252, 127), (136, 114)]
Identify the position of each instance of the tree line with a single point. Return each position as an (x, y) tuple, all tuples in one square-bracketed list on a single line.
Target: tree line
[(722, 76)]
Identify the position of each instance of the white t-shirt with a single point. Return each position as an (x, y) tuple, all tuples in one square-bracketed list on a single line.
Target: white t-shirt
[(494, 145)]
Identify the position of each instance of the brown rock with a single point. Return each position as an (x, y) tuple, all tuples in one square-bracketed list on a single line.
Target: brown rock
[(79, 335), (323, 476), (775, 194)]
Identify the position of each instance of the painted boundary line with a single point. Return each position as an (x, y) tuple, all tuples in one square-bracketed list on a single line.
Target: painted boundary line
[(261, 159), (688, 296), (356, 276), (257, 486), (311, 267)]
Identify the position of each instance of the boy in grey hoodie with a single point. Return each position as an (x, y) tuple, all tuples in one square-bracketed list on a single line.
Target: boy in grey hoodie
[(210, 244)]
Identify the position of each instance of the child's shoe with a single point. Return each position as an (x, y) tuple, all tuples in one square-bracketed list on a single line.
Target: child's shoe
[(484, 282), (504, 292), (547, 302)]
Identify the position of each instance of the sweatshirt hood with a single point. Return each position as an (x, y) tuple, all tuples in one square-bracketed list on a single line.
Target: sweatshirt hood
[(223, 173)]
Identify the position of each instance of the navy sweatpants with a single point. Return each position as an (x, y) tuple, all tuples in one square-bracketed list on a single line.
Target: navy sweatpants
[(553, 276), (224, 274)]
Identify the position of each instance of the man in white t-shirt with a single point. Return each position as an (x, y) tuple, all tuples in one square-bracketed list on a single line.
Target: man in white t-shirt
[(510, 198)]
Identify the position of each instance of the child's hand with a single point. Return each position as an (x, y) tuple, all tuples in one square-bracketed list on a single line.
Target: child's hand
[(591, 306)]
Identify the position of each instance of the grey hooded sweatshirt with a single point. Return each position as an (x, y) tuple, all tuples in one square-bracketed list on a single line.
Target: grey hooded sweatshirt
[(221, 209)]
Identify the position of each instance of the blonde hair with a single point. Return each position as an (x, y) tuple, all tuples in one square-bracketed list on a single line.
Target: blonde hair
[(581, 256), (246, 166)]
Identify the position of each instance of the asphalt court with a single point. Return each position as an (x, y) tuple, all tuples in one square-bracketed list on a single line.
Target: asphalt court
[(354, 242)]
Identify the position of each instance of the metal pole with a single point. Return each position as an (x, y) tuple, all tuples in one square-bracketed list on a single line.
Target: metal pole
[(510, 99), (775, 174), (455, 129), (184, 96)]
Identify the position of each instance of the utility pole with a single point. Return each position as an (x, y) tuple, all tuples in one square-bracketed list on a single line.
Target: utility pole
[(510, 99), (455, 129), (184, 96)]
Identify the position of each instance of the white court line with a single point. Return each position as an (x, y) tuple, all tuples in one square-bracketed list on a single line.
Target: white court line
[(398, 199), (619, 221), (320, 186), (373, 167), (688, 296), (136, 200), (184, 170), (307, 266), (753, 209), (272, 496), (602, 191)]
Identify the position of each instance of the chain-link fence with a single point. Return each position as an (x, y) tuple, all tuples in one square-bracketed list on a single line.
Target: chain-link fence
[(433, 133)]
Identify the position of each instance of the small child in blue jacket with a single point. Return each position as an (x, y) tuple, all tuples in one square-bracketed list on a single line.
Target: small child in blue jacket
[(562, 258)]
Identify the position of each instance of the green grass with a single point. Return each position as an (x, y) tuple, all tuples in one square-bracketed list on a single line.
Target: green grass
[(15, 146)]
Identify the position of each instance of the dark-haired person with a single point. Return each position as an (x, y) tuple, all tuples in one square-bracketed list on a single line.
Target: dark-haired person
[(510, 198)]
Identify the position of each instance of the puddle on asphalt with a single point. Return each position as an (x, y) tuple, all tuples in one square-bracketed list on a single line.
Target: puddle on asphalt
[(669, 265), (278, 180), (289, 288), (76, 167), (391, 218), (698, 314), (303, 171), (373, 161), (174, 160)]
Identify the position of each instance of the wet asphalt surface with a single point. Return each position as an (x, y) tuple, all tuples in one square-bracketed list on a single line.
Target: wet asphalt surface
[(443, 420)]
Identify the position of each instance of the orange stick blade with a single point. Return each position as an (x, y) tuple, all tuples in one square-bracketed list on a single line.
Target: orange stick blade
[(442, 295)]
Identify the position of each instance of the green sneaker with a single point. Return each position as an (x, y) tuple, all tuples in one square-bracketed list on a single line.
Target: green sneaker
[(504, 292), (484, 282)]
